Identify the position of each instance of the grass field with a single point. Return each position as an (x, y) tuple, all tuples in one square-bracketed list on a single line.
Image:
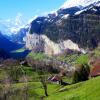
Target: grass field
[(75, 58), (83, 59), (37, 56), (88, 90), (18, 51)]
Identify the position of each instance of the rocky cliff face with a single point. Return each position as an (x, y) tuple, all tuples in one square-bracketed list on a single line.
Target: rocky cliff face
[(71, 27), (80, 25), (41, 43), (34, 42)]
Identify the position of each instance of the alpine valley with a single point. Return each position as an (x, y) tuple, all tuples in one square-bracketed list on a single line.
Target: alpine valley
[(75, 26), (54, 56)]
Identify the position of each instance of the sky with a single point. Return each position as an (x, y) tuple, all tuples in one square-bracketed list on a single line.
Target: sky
[(27, 8)]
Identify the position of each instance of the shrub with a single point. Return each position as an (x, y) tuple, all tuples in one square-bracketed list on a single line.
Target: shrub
[(81, 73)]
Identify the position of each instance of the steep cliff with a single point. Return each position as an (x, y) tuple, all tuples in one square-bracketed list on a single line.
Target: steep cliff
[(41, 43)]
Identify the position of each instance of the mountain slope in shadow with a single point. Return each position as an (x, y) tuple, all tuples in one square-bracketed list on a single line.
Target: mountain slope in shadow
[(7, 45)]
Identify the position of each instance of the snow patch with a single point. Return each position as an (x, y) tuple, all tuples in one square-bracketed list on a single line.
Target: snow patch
[(65, 16), (78, 3), (12, 26), (79, 12)]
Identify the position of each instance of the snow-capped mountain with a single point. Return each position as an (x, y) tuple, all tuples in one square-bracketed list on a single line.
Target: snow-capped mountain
[(91, 9), (14, 29), (69, 8), (12, 26), (7, 45), (72, 21), (56, 25), (21, 33), (78, 3)]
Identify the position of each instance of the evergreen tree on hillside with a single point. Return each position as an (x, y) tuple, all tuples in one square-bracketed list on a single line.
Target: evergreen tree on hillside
[(81, 73)]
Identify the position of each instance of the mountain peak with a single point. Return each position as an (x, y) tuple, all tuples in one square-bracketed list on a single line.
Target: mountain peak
[(79, 3), (12, 26)]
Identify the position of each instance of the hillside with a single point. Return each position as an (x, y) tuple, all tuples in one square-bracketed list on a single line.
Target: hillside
[(88, 90), (7, 45), (79, 25), (49, 51), (82, 29)]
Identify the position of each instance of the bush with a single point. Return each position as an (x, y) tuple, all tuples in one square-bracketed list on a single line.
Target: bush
[(81, 73)]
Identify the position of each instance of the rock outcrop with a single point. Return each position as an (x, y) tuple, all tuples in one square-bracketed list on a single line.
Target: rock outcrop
[(41, 43)]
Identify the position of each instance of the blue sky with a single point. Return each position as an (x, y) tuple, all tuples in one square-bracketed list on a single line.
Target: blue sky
[(28, 8)]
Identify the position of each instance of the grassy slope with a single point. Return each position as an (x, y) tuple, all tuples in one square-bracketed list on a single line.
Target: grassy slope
[(83, 58), (37, 56), (89, 90), (18, 50), (34, 90), (97, 52)]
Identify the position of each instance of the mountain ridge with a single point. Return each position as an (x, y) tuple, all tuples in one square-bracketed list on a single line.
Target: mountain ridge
[(82, 28), (73, 23), (7, 45)]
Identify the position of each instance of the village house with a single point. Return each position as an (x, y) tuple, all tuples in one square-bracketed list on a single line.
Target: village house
[(54, 79), (58, 78)]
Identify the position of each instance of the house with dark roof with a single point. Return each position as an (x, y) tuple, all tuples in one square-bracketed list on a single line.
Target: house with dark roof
[(54, 79)]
